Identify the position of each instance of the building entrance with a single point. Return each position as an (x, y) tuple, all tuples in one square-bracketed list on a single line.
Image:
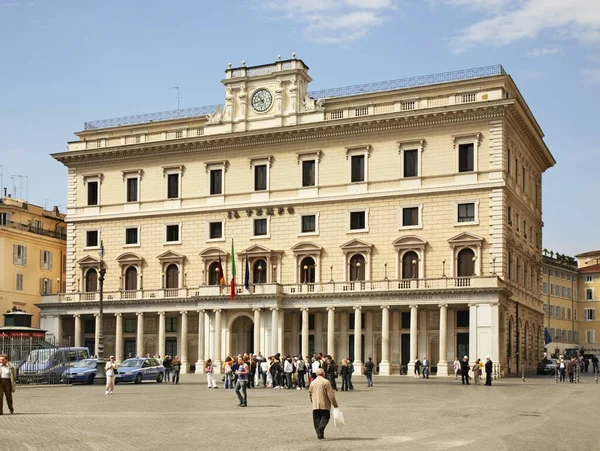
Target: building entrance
[(241, 336)]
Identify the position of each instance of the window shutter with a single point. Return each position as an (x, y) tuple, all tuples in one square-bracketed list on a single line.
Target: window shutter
[(42, 260), (50, 261), (49, 285), (42, 286), (15, 254), (24, 255)]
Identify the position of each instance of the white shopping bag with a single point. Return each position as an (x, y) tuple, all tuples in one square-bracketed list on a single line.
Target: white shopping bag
[(338, 418)]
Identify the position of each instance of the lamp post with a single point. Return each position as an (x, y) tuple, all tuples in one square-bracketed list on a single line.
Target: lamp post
[(260, 268), (494, 266), (414, 269), (385, 271), (305, 273), (474, 260), (331, 273), (443, 268), (100, 377)]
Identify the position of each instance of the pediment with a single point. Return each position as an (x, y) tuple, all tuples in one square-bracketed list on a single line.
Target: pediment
[(129, 258), (409, 242), (170, 256), (213, 253), (356, 245), (306, 248), (257, 249), (465, 238), (88, 260)]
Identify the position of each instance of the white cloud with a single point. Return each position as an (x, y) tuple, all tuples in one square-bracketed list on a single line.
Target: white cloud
[(333, 21), (527, 19), (544, 51), (591, 75)]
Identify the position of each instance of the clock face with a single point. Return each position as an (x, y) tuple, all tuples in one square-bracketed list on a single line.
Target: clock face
[(261, 100)]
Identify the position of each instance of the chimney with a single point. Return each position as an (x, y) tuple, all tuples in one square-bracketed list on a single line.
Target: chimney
[(55, 210)]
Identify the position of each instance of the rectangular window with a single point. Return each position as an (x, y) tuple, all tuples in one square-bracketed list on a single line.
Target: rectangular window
[(129, 325), (172, 186), (215, 230), (170, 324), (311, 321), (131, 235), (358, 168), (575, 314), (589, 294), (216, 181), (4, 219), (89, 326), (45, 286), (411, 163), (92, 193), (260, 227), (260, 177), (410, 216), (551, 310), (590, 336), (19, 255), (132, 189), (524, 179), (308, 173), (462, 318), (19, 284), (589, 279), (589, 314), (172, 233), (466, 212), (552, 289), (358, 220), (465, 157), (405, 320), (545, 287), (309, 224), (91, 238), (46, 260)]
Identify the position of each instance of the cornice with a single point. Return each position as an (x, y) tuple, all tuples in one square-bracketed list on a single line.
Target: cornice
[(321, 130)]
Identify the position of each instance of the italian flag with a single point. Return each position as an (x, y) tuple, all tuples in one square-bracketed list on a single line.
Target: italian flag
[(232, 292)]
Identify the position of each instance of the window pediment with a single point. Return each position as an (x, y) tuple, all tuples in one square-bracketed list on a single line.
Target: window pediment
[(357, 245), (307, 248), (129, 258), (409, 242), (213, 253), (170, 256), (465, 239), (88, 261), (258, 250)]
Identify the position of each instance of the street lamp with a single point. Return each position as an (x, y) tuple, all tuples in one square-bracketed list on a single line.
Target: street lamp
[(305, 273), (100, 378), (414, 269), (260, 268)]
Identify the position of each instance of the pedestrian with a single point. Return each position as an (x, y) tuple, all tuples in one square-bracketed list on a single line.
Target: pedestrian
[(111, 373), (350, 373), (562, 369), (476, 372), (425, 368), (167, 364), (228, 374), (242, 381), (301, 369), (8, 376), (253, 371), (210, 374), (176, 369), (571, 369), (417, 369), (316, 364), (464, 370), (344, 372), (456, 368), (488, 371), (322, 397), (264, 368), (288, 369), (595, 364), (332, 372), (369, 365)]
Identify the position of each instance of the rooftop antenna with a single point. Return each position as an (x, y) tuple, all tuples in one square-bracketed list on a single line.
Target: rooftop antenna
[(19, 194), (178, 97)]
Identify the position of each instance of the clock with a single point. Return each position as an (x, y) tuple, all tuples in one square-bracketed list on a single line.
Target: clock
[(261, 100)]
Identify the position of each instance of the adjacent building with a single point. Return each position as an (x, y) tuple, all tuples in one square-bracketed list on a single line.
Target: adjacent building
[(588, 296), (392, 220), (32, 255)]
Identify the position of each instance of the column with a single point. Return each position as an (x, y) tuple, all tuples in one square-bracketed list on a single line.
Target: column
[(200, 362), (77, 338), (217, 353), (358, 365), (161, 335), (119, 338), (304, 332), (442, 366), (343, 343), (473, 332), (395, 345), (331, 332), (319, 347), (280, 331), (97, 333), (274, 334), (184, 341), (139, 341), (413, 338), (257, 321), (384, 366), (294, 335)]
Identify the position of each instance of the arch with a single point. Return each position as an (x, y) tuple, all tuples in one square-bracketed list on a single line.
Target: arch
[(410, 267), (465, 262), (172, 276), (213, 273), (357, 268), (410, 244), (307, 270), (91, 280), (231, 318), (259, 271), (131, 278), (301, 252)]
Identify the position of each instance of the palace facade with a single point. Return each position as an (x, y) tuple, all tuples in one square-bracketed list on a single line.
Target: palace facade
[(392, 220)]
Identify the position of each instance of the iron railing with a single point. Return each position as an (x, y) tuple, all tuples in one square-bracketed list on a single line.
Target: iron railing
[(61, 235), (401, 83)]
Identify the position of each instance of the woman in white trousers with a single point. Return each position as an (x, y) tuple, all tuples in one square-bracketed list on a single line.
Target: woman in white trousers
[(111, 373), (210, 374)]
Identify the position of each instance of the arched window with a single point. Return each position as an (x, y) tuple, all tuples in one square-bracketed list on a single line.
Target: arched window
[(357, 268), (410, 265), (213, 273), (172, 276), (91, 280), (131, 277), (259, 271), (307, 270), (465, 263)]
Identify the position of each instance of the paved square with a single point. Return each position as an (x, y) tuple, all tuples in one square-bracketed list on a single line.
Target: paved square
[(396, 414)]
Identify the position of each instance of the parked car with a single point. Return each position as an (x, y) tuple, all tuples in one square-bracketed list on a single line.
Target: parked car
[(140, 369), (48, 365), (83, 371), (547, 366)]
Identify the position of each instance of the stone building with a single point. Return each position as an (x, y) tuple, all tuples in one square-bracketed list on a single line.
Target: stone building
[(391, 220)]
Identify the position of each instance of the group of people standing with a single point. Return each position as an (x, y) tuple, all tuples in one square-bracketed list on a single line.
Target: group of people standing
[(463, 368)]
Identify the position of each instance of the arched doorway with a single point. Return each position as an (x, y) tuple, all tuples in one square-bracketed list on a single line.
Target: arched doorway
[(357, 268), (466, 263), (131, 277), (307, 270), (213, 274), (241, 335), (172, 276), (91, 280), (410, 267), (259, 271)]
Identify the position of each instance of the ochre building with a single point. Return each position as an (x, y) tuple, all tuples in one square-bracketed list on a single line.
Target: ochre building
[(392, 220)]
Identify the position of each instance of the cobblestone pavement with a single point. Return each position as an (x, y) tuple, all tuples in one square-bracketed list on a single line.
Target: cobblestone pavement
[(396, 414)]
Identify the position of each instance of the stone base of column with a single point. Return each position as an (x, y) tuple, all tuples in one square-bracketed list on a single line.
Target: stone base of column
[(396, 368), (199, 367), (410, 369), (218, 366), (184, 366), (384, 369), (442, 368), (358, 367)]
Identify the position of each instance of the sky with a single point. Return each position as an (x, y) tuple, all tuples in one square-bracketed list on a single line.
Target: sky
[(64, 62)]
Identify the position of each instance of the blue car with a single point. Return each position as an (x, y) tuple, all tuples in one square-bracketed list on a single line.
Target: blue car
[(140, 369), (83, 371)]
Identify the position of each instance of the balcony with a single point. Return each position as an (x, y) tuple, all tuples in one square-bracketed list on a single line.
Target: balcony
[(60, 235), (290, 290)]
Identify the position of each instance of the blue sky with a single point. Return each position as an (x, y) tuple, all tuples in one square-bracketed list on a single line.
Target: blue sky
[(63, 62)]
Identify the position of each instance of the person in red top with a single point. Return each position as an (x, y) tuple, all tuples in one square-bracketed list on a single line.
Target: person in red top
[(242, 382)]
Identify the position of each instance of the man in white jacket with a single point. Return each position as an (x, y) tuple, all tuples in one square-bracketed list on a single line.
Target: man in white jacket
[(288, 369)]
